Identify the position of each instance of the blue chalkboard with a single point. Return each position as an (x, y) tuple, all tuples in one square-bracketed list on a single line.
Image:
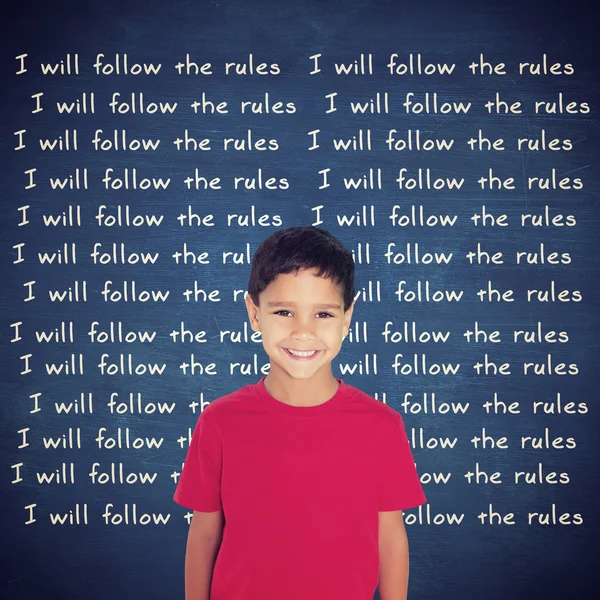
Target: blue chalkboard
[(127, 250)]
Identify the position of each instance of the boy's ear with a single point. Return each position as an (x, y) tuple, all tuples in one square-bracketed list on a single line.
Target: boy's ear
[(252, 313), (348, 317)]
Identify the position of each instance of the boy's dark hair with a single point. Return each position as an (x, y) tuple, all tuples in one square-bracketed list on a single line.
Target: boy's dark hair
[(294, 248)]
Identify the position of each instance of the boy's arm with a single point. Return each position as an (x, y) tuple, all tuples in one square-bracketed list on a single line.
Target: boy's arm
[(203, 543), (393, 556)]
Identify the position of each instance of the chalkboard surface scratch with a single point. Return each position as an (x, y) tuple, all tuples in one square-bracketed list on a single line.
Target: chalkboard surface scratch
[(578, 169), (226, 346)]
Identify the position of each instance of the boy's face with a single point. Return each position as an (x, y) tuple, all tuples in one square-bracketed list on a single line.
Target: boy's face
[(298, 323)]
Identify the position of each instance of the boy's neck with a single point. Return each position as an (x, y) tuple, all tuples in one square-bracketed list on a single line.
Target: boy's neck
[(301, 392)]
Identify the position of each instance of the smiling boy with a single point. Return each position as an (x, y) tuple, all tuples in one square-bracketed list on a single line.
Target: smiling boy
[(298, 482)]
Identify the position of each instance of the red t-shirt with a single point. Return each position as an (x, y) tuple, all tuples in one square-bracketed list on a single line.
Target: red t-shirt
[(300, 489)]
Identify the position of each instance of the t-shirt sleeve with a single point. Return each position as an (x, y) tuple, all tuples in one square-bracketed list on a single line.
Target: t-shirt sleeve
[(399, 485), (199, 486)]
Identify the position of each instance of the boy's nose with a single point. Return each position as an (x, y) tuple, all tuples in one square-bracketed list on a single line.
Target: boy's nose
[(303, 331)]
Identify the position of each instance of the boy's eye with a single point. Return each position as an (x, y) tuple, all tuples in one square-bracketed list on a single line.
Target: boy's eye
[(287, 311)]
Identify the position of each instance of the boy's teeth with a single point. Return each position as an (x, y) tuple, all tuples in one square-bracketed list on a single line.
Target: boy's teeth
[(301, 353)]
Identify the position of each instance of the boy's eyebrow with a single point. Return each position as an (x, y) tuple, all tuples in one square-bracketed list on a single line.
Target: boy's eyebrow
[(271, 304)]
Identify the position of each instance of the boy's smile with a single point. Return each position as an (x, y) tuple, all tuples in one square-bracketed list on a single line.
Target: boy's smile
[(302, 313), (302, 355)]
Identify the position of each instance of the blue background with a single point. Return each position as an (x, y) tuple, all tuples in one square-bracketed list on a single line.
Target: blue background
[(469, 560)]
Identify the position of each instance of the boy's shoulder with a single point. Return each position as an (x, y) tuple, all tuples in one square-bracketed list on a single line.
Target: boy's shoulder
[(384, 410), (231, 401)]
